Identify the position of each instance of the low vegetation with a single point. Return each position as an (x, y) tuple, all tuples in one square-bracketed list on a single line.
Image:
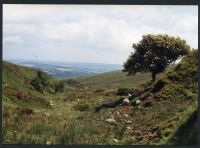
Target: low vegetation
[(63, 112)]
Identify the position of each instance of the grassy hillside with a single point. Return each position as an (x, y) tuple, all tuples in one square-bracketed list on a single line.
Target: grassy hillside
[(116, 79), (167, 112)]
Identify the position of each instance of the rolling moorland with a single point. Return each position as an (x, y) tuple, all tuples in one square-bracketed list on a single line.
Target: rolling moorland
[(166, 112), (61, 70)]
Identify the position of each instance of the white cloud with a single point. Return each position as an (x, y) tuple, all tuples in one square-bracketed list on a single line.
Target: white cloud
[(102, 33), (18, 28), (13, 40)]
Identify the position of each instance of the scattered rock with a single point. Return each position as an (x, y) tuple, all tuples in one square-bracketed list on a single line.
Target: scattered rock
[(48, 142), (126, 115), (117, 113), (115, 140), (111, 121), (51, 104), (128, 128), (126, 101), (129, 95), (129, 121), (137, 101)]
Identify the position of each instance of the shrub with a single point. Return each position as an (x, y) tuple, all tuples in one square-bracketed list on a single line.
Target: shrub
[(40, 82), (159, 85), (123, 91), (36, 83), (72, 82), (59, 87), (148, 104), (82, 107)]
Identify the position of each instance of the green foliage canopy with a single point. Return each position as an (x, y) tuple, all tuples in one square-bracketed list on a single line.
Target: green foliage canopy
[(154, 53)]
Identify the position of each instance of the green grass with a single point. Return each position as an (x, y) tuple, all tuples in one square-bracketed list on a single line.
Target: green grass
[(116, 79), (170, 117)]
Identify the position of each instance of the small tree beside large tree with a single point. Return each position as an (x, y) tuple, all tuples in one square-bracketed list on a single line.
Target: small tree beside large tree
[(154, 53)]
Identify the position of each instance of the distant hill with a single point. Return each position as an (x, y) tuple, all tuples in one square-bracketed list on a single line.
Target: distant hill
[(62, 70)]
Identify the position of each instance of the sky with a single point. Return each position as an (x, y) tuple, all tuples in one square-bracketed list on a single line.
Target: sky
[(90, 33)]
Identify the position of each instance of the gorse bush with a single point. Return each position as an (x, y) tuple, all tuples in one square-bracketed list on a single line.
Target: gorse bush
[(123, 91), (59, 87), (40, 82)]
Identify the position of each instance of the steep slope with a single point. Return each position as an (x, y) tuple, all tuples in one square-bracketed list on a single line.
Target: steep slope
[(27, 114), (17, 85), (167, 113)]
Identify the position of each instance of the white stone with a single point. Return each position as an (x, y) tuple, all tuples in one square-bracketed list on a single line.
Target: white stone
[(126, 101), (126, 115), (118, 113), (138, 101), (129, 95), (115, 140), (129, 122), (48, 142), (110, 120), (128, 128)]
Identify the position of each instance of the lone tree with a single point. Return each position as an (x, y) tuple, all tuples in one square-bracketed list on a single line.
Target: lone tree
[(154, 53)]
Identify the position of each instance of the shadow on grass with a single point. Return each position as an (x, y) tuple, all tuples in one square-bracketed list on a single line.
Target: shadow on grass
[(187, 133)]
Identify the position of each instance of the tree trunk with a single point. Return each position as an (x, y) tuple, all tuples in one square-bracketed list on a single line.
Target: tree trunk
[(153, 76)]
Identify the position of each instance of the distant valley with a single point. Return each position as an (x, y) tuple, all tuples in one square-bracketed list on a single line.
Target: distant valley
[(62, 70)]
